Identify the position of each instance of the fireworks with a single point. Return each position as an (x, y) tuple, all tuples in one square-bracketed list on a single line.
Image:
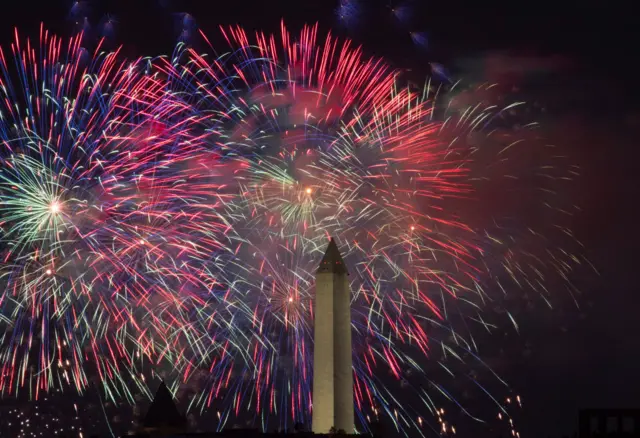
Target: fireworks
[(175, 210), (31, 420), (312, 140), (99, 238)]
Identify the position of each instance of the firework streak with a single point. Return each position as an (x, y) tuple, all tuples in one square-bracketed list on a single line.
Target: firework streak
[(174, 211)]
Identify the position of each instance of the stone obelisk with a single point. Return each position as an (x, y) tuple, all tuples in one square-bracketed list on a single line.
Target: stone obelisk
[(332, 361)]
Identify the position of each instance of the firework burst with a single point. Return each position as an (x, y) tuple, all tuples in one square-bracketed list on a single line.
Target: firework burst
[(310, 140), (101, 232), (176, 210)]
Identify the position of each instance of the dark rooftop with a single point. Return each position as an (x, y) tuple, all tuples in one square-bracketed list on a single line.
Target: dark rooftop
[(163, 412)]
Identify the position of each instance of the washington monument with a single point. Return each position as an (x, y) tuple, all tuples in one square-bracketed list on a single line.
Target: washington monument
[(332, 362)]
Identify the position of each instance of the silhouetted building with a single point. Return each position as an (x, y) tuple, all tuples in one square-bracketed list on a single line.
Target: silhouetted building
[(595, 423), (163, 417), (247, 433)]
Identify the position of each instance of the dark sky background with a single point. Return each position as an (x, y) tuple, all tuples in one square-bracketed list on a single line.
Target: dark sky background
[(575, 59)]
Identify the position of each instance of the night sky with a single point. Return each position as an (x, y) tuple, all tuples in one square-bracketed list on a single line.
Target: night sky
[(574, 61)]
